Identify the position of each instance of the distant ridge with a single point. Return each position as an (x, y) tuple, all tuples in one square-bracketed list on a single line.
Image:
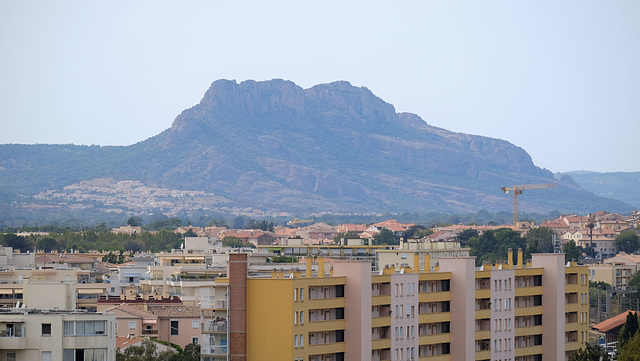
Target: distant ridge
[(623, 186), (273, 145)]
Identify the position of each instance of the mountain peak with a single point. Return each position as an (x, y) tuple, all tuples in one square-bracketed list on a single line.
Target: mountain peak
[(335, 147)]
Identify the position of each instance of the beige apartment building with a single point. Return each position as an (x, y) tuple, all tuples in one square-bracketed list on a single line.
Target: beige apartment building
[(617, 275), (48, 327)]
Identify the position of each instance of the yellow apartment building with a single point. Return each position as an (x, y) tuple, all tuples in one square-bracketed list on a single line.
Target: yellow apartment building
[(454, 312)]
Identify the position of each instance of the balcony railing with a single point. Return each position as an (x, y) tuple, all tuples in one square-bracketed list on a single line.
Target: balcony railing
[(214, 327), (214, 350), (149, 332)]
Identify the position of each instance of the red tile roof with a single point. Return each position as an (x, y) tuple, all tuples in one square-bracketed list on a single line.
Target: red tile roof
[(613, 322), (126, 341)]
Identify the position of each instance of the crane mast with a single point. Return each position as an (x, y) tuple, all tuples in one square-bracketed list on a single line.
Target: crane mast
[(517, 190)]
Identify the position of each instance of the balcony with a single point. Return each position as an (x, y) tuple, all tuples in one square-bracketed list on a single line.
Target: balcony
[(149, 332), (214, 350), (483, 334), (529, 350), (483, 293), (13, 337), (436, 296), (528, 311), (210, 327), (434, 339), (380, 344), (529, 331), (528, 291), (435, 358), (326, 348)]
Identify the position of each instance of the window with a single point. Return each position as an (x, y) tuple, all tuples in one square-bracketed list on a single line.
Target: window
[(11, 356), (194, 340), (302, 294), (302, 317), (84, 328), (302, 340), (295, 318), (295, 295), (46, 355), (79, 354), (132, 325), (174, 327), (195, 324), (295, 341), (46, 330)]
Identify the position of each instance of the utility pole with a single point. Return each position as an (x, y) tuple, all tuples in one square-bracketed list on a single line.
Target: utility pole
[(599, 305)]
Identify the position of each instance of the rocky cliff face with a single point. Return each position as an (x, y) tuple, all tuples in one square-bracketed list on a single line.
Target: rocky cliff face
[(336, 147), (333, 147)]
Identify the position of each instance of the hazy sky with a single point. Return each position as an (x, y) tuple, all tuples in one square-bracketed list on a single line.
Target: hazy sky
[(559, 78)]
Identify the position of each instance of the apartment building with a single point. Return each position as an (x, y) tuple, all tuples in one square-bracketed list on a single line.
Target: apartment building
[(453, 312), (48, 327), (617, 275)]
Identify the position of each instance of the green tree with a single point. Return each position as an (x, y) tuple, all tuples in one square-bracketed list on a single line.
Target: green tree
[(134, 245), (17, 242), (135, 221), (217, 223), (540, 240), (385, 236), (634, 282), (417, 231), (102, 228), (631, 350), (190, 233), (232, 242), (627, 241), (167, 224), (494, 245), (47, 244), (571, 251), (239, 221), (590, 353), (628, 330), (191, 352), (145, 352), (464, 236)]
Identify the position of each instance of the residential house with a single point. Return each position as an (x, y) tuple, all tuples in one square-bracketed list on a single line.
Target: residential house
[(133, 321), (178, 324)]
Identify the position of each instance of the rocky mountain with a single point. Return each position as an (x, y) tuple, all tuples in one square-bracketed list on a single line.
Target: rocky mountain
[(332, 148)]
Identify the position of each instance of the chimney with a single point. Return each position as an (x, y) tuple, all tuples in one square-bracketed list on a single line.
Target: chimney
[(309, 272), (237, 271), (416, 263), (510, 258), (427, 262), (520, 258)]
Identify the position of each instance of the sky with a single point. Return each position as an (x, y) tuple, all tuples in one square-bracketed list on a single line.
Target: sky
[(560, 79)]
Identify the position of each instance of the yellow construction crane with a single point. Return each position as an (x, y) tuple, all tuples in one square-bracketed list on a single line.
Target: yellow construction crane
[(297, 221), (518, 190)]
